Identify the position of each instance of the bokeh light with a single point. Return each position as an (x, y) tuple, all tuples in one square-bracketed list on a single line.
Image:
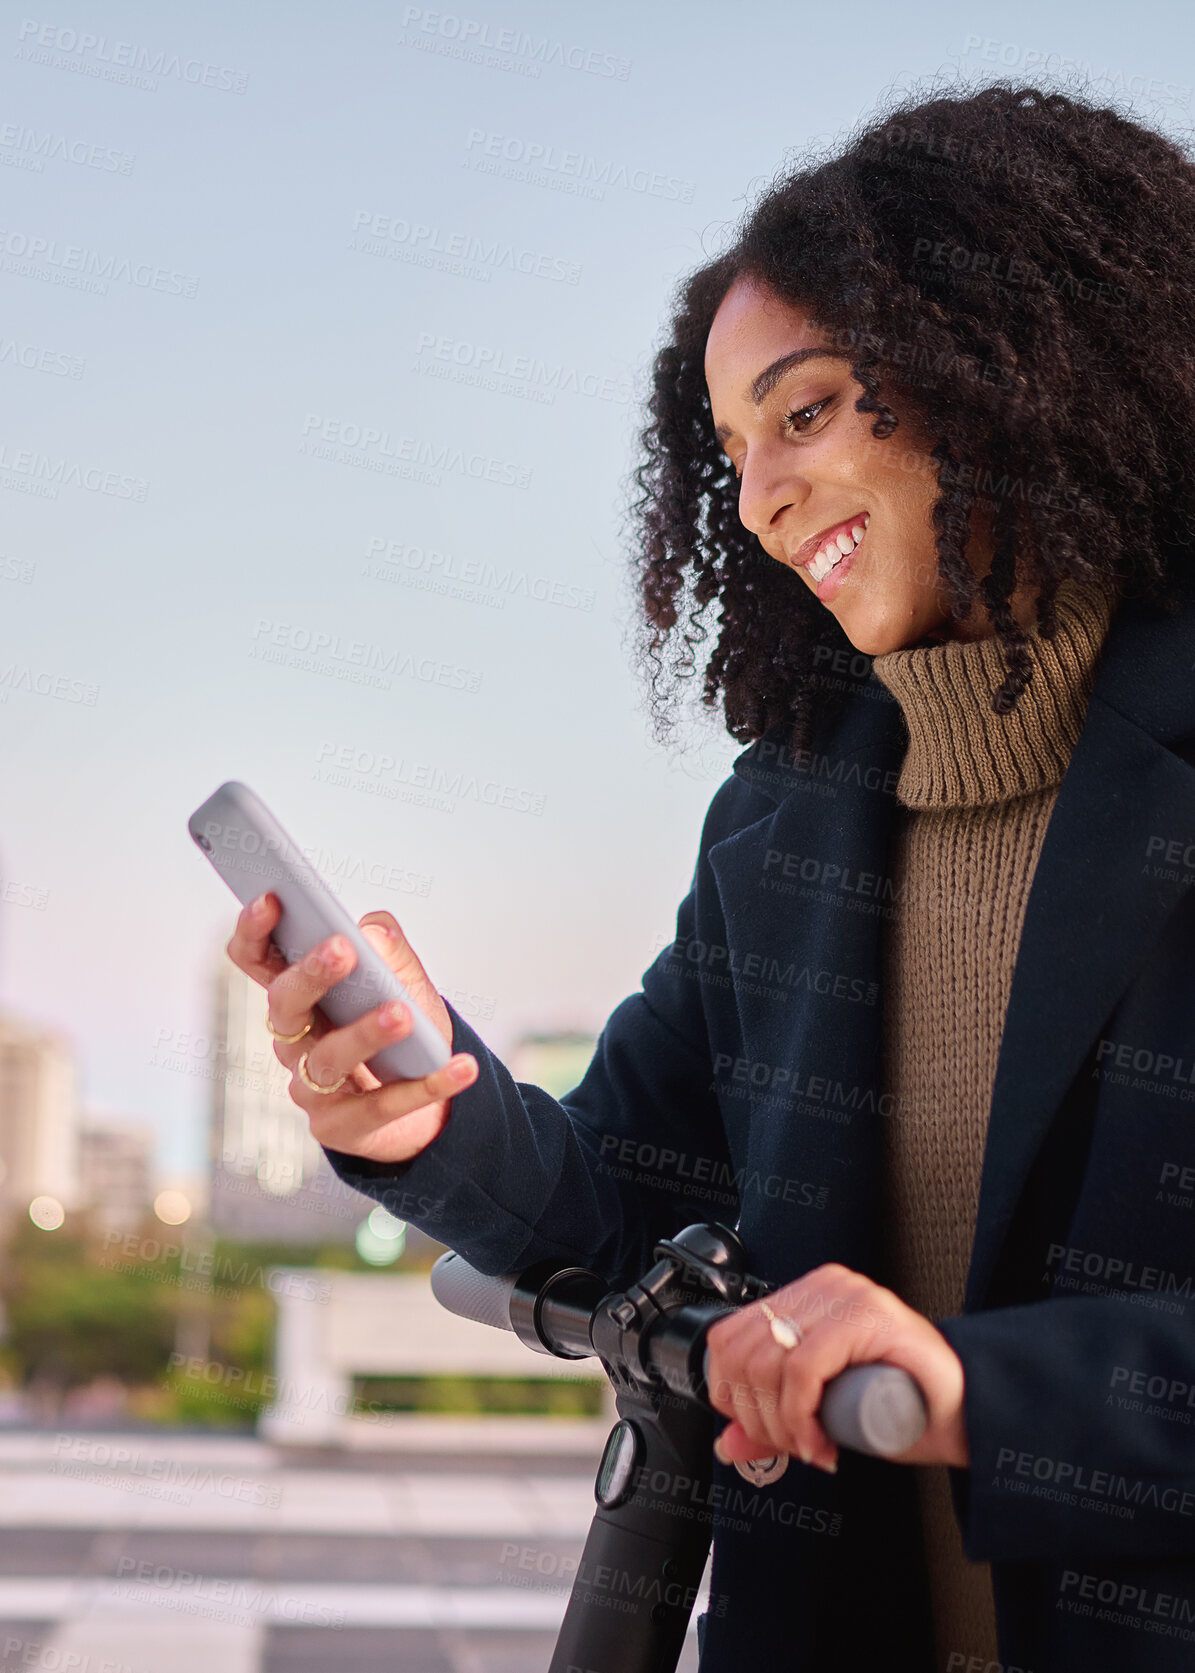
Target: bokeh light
[(47, 1212), (381, 1238), (172, 1207)]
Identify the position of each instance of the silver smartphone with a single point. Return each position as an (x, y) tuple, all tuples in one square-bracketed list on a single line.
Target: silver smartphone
[(253, 854)]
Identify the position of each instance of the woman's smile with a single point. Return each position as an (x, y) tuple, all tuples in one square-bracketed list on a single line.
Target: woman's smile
[(826, 557)]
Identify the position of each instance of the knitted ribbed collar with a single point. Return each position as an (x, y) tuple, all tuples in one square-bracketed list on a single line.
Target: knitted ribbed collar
[(962, 753)]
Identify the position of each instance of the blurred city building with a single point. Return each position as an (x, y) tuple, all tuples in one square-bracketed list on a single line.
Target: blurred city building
[(336, 1327), (39, 1117), (270, 1181), (116, 1172)]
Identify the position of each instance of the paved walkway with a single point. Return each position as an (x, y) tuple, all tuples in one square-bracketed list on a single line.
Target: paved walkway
[(181, 1554)]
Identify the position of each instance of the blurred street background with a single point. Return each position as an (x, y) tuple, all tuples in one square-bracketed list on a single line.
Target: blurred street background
[(136, 1553)]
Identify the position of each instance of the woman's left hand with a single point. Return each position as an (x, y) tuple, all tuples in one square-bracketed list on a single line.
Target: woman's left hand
[(773, 1393)]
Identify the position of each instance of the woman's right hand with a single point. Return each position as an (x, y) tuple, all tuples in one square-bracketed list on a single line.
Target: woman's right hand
[(385, 1122)]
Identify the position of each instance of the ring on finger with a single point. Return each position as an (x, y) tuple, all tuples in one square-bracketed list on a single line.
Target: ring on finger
[(305, 1077), (785, 1332), (289, 1039)]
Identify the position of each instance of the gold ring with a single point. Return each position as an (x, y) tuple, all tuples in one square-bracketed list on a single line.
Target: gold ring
[(785, 1332), (288, 1038), (315, 1086)]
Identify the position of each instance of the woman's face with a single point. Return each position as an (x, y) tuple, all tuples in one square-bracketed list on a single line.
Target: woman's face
[(812, 476)]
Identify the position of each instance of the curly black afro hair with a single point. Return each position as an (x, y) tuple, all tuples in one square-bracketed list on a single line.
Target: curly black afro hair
[(1019, 266)]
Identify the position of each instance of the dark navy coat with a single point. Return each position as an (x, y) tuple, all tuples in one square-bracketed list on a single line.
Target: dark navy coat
[(744, 1082)]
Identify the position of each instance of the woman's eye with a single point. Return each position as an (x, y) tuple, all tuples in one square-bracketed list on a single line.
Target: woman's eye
[(805, 414), (795, 422)]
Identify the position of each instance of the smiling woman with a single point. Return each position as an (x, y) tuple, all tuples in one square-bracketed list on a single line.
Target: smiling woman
[(973, 323)]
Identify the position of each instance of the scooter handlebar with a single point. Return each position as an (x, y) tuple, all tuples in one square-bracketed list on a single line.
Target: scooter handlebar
[(876, 1408)]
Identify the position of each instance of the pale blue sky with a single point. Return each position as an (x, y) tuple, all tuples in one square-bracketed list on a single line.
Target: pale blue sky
[(153, 606)]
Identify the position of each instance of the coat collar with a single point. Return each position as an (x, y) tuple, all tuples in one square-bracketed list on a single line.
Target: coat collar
[(1096, 903)]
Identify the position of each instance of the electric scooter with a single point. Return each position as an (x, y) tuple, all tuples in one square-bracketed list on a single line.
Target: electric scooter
[(652, 1529)]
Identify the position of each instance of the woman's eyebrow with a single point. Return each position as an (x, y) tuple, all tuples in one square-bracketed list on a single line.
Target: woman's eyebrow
[(771, 375)]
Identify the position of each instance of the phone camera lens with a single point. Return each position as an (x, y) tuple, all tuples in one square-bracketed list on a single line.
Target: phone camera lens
[(204, 844)]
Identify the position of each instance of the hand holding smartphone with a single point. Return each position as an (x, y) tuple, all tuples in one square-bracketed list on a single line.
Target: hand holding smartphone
[(403, 1099)]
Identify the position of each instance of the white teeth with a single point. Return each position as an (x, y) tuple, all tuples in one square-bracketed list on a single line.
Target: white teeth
[(835, 550)]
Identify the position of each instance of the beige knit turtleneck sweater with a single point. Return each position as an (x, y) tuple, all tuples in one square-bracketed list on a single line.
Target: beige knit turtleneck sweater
[(977, 789)]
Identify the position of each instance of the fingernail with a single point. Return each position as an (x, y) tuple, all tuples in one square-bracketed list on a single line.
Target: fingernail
[(461, 1069), (718, 1448), (831, 1468), (392, 1014), (804, 1454), (257, 907)]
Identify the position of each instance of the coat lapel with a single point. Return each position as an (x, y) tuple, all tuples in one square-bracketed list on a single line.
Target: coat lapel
[(806, 985)]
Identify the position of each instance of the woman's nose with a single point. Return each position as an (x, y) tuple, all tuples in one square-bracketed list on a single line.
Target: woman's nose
[(765, 493)]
